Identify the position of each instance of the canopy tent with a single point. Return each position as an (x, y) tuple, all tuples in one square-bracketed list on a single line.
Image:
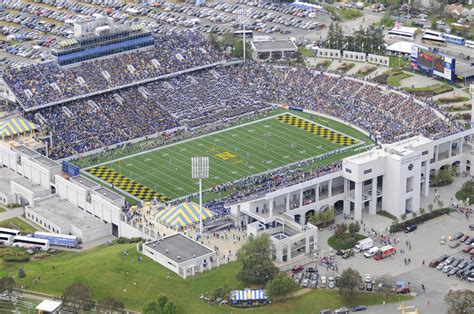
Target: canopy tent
[(183, 215), (15, 125), (248, 295)]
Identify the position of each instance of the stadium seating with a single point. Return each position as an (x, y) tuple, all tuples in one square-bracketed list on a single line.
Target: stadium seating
[(41, 84)]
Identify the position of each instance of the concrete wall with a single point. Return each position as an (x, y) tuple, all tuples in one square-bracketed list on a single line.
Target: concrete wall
[(329, 53), (379, 60), (354, 56)]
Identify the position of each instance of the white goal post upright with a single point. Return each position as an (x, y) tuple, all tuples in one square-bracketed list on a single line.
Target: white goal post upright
[(200, 170)]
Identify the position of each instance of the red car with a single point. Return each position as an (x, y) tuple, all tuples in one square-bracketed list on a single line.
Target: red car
[(297, 269), (469, 249), (404, 290), (462, 239)]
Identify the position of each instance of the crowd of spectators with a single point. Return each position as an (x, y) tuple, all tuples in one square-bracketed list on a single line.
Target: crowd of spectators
[(386, 115), (189, 101), (219, 95), (41, 84)]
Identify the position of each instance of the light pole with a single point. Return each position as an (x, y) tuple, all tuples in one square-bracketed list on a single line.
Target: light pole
[(242, 20), (200, 170)]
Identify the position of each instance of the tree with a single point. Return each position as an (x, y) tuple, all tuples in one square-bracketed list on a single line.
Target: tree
[(151, 307), (7, 284), (170, 308), (254, 257), (110, 305), (78, 295), (214, 41), (161, 305), (459, 301), (280, 286), (21, 273), (340, 229), (348, 284), (238, 51), (354, 228), (385, 284), (221, 292)]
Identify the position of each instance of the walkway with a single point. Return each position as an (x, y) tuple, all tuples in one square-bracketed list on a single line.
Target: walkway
[(11, 213)]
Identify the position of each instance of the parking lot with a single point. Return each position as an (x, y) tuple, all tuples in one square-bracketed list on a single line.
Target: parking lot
[(28, 30), (425, 247)]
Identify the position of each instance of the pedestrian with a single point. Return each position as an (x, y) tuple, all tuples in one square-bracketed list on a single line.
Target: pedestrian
[(423, 262)]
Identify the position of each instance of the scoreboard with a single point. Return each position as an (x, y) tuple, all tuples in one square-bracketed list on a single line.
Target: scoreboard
[(432, 62)]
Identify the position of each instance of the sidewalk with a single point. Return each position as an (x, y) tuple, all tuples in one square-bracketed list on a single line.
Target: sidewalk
[(11, 213)]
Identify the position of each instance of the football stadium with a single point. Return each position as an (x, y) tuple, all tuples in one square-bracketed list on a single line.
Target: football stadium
[(109, 128), (237, 152)]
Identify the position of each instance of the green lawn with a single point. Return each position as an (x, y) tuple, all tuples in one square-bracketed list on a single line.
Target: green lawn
[(134, 282), (395, 79), (2, 209), (17, 223), (233, 154), (395, 62), (346, 241)]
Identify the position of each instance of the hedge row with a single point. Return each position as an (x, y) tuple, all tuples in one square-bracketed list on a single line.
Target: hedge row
[(396, 227), (122, 240), (16, 259)]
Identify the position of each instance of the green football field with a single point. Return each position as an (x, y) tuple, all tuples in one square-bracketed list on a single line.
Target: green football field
[(234, 153)]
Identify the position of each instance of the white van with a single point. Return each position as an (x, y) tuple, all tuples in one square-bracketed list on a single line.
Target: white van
[(371, 252)]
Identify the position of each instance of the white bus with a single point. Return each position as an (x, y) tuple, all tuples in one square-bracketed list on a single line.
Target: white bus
[(12, 232), (469, 43), (434, 40), (31, 243), (433, 33), (6, 239), (405, 33)]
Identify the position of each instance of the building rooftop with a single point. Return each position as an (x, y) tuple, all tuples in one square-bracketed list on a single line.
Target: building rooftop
[(46, 162), (81, 180), (26, 151), (108, 194), (7, 176), (180, 246), (274, 45), (63, 213)]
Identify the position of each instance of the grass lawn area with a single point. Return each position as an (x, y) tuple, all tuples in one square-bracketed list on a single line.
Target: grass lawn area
[(2, 209), (395, 62), (133, 282), (17, 223), (346, 241), (348, 14), (306, 52), (395, 79), (234, 153)]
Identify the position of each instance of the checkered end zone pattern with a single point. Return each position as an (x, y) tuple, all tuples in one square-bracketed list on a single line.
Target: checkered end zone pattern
[(131, 187), (317, 129)]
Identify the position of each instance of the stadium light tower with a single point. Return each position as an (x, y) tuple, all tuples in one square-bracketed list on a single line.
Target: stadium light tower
[(200, 170), (242, 20)]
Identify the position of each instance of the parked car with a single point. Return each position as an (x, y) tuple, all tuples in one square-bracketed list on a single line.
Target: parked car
[(323, 281), (331, 282), (454, 245), (471, 227), (447, 268), (305, 283), (369, 286), (404, 290), (457, 235), (410, 228), (469, 241), (468, 249), (359, 308), (368, 278), (463, 238), (297, 269)]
